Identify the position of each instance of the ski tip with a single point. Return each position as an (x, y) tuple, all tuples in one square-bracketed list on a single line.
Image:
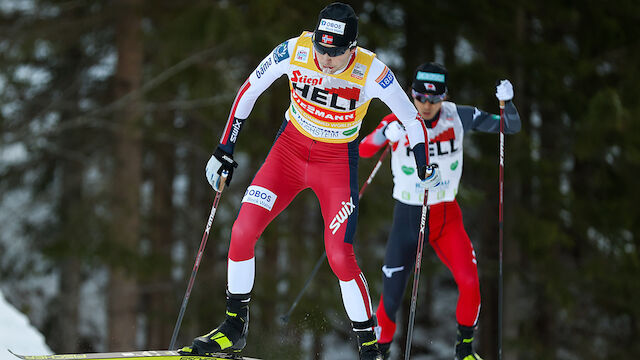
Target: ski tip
[(14, 354)]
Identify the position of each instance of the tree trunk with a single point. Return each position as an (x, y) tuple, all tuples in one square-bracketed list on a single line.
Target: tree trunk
[(160, 307), (66, 324), (70, 269), (72, 232), (123, 290), (199, 317)]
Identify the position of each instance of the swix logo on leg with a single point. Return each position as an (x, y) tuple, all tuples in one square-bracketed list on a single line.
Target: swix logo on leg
[(342, 215), (235, 130)]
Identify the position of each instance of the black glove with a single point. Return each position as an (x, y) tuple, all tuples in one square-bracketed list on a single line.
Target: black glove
[(433, 178), (220, 161), (227, 163)]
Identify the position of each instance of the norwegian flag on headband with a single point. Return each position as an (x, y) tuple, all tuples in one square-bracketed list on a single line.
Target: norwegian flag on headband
[(327, 39)]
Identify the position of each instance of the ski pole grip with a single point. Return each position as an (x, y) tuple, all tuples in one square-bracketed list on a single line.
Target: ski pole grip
[(223, 180), (501, 104)]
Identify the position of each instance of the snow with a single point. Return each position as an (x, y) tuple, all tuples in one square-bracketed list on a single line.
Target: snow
[(17, 334)]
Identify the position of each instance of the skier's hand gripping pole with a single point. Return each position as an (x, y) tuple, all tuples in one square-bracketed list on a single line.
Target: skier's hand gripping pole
[(285, 317), (223, 180)]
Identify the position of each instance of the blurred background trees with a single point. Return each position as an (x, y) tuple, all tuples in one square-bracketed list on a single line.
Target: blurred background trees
[(110, 109)]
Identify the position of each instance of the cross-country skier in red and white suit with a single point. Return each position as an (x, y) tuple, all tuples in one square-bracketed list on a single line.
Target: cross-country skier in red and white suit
[(448, 123), (331, 83)]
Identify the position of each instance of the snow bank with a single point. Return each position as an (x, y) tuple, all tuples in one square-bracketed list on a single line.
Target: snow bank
[(17, 334)]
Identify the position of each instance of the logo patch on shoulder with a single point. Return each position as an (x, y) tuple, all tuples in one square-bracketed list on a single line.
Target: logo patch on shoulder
[(386, 78), (281, 52), (260, 196), (302, 54)]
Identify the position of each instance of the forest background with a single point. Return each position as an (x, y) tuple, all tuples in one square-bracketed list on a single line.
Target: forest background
[(110, 109)]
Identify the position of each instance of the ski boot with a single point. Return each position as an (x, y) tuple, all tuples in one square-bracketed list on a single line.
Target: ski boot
[(367, 342), (230, 335), (464, 344), (385, 350)]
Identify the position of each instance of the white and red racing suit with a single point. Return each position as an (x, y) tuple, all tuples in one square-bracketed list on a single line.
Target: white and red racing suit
[(316, 148), (446, 231)]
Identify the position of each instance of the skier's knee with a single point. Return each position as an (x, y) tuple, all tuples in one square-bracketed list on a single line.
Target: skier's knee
[(468, 282), (243, 242), (344, 265)]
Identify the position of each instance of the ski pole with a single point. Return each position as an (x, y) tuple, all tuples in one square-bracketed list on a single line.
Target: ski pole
[(285, 317), (374, 171), (500, 226), (416, 274), (203, 243)]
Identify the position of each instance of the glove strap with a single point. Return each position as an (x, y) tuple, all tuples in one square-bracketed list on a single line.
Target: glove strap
[(225, 158)]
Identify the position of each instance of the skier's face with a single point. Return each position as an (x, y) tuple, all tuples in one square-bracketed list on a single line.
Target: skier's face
[(426, 109), (331, 64)]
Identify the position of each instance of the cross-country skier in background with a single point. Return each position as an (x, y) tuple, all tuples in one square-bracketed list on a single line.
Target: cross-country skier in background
[(448, 123), (331, 82)]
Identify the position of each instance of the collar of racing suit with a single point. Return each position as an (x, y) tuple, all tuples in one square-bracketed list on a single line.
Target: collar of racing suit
[(433, 121)]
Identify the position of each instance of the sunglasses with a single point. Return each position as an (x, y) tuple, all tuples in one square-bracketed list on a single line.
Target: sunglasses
[(432, 99), (331, 51)]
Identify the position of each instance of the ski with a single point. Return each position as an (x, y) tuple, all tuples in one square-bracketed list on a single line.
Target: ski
[(134, 355)]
